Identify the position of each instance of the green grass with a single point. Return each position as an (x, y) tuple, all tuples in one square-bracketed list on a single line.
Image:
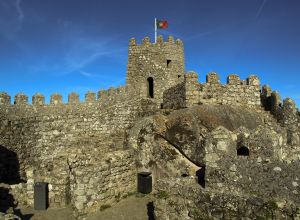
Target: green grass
[(162, 195)]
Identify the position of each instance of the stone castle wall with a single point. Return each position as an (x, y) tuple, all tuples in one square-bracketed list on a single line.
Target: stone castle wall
[(101, 182), (39, 134), (79, 148), (192, 92), (263, 183), (183, 199), (284, 111)]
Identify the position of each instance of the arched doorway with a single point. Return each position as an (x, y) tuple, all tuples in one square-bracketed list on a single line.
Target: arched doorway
[(150, 87)]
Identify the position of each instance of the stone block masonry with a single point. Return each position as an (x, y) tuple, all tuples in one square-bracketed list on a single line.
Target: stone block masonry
[(161, 62), (107, 181), (235, 92), (44, 137)]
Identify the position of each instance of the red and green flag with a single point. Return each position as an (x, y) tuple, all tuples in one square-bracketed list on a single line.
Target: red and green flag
[(161, 24)]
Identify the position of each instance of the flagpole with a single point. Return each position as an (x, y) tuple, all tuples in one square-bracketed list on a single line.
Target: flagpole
[(155, 30)]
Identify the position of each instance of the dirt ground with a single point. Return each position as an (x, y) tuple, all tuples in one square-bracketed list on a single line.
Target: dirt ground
[(131, 208)]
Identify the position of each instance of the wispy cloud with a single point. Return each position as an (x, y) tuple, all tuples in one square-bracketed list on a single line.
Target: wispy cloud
[(11, 18), (87, 74), (92, 75), (19, 10), (79, 53), (84, 51), (259, 11), (205, 33)]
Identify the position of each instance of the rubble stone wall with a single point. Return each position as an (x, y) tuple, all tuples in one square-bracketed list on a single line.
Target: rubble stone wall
[(39, 134), (182, 198), (104, 182), (235, 92), (178, 91), (163, 61)]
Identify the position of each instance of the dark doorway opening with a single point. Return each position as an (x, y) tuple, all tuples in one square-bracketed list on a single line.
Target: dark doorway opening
[(9, 166), (243, 151), (168, 63), (150, 87), (201, 176)]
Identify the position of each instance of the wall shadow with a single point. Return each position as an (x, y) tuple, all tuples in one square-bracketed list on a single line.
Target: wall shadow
[(201, 176), (9, 175), (9, 166), (7, 201), (150, 211)]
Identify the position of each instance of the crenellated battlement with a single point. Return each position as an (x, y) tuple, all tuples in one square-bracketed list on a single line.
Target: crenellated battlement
[(21, 99), (73, 98), (232, 79), (159, 41), (284, 111), (159, 63), (38, 100), (235, 92), (5, 99)]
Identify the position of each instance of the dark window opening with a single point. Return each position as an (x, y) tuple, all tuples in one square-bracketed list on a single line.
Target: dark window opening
[(243, 151), (184, 175), (201, 176), (179, 76), (150, 87), (161, 105), (168, 63)]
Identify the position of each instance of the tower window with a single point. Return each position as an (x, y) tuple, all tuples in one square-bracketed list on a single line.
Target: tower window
[(168, 63), (150, 87), (243, 151)]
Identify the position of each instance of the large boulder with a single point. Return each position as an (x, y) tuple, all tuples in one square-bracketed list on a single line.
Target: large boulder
[(187, 129)]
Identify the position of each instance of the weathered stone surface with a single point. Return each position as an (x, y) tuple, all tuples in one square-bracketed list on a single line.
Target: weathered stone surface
[(215, 151), (188, 128)]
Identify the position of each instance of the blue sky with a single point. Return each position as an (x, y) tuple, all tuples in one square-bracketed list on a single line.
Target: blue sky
[(63, 46)]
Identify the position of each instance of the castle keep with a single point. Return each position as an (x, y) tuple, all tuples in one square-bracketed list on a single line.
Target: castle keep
[(230, 150)]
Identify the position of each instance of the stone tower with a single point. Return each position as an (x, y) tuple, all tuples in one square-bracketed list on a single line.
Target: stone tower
[(154, 67)]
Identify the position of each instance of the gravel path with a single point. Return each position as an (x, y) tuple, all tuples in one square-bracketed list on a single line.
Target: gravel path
[(131, 208)]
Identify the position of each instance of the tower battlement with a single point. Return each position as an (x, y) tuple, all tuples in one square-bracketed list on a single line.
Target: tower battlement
[(154, 67), (159, 42)]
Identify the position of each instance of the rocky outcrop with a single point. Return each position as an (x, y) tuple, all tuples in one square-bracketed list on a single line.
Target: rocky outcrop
[(229, 162)]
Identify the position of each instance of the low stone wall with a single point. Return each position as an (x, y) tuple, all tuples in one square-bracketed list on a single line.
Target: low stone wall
[(184, 199), (84, 181), (103, 183), (251, 163), (23, 193)]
